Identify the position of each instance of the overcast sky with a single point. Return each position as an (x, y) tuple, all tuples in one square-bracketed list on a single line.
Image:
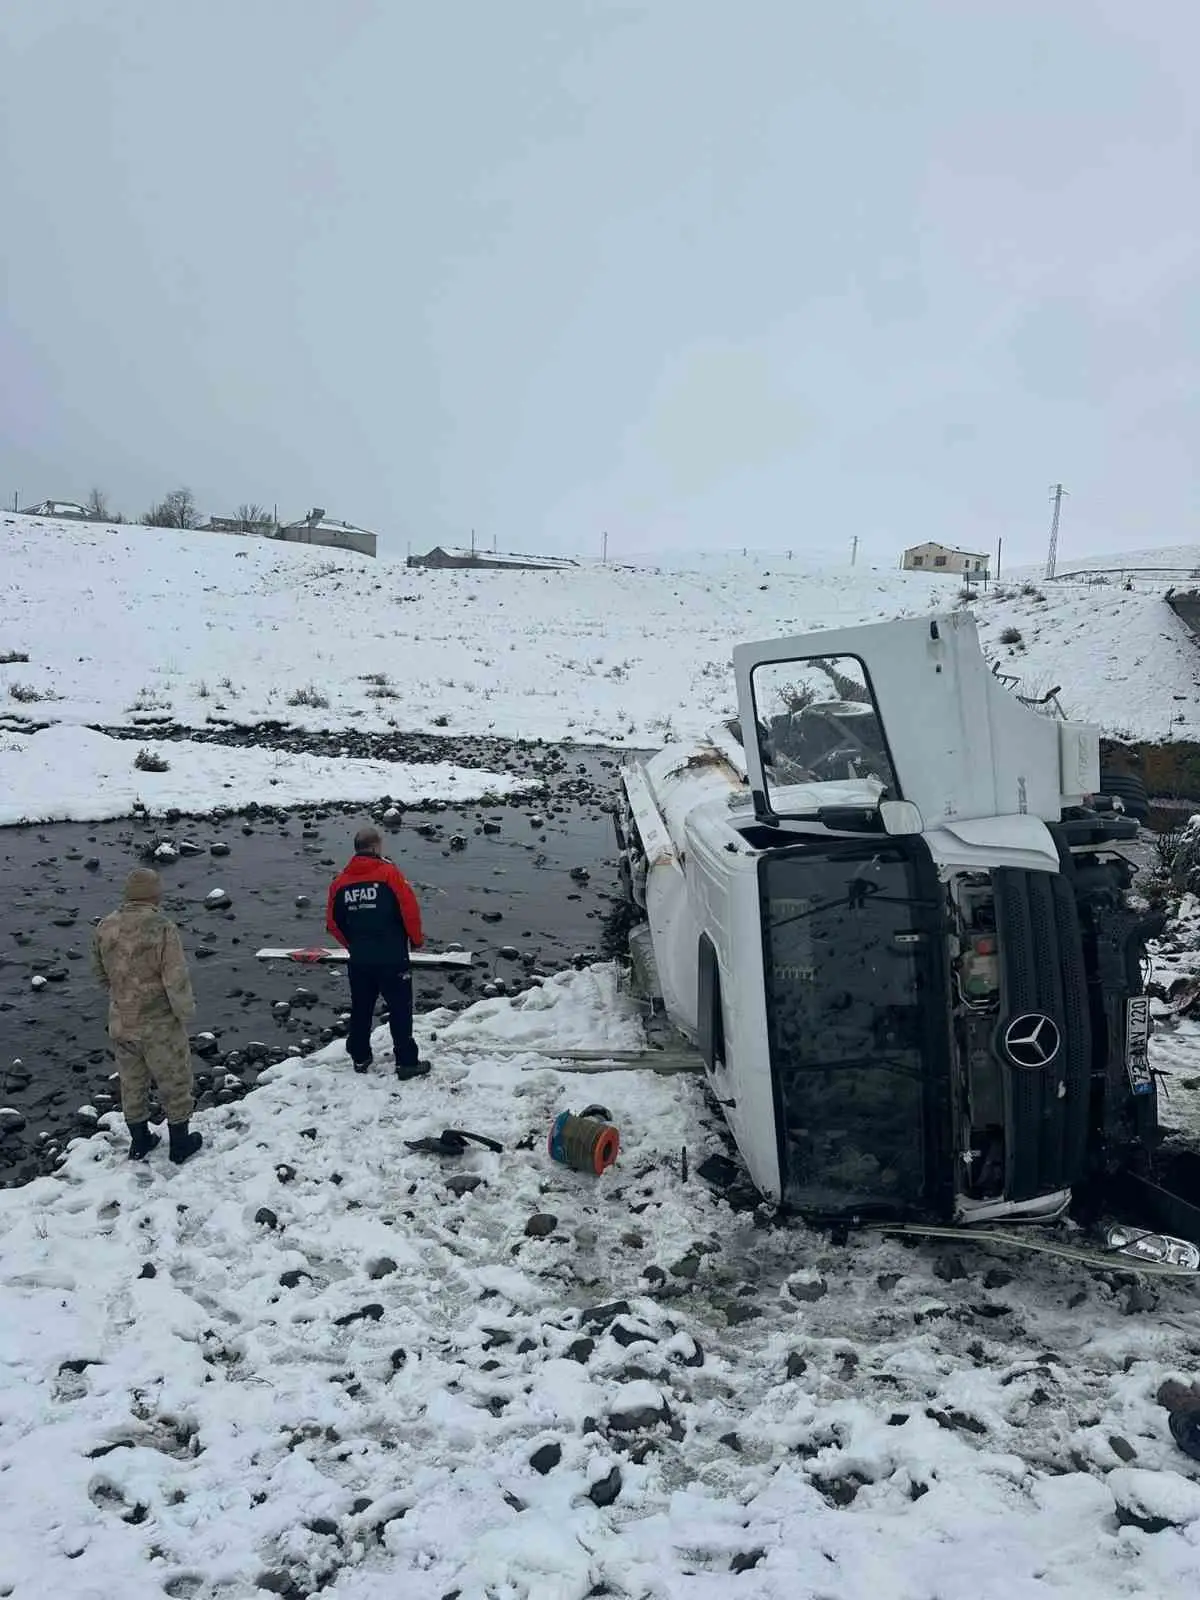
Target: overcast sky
[(716, 273)]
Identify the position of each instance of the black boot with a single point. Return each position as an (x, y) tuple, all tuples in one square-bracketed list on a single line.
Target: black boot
[(141, 1140), (183, 1143)]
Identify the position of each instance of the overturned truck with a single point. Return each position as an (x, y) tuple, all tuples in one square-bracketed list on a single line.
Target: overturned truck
[(890, 906)]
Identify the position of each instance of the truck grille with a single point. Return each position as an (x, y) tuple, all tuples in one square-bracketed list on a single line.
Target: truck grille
[(1043, 1003)]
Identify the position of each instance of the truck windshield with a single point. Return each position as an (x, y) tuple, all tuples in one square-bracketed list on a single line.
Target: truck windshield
[(851, 964)]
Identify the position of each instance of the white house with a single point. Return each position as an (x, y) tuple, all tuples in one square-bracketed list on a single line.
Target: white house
[(941, 558)]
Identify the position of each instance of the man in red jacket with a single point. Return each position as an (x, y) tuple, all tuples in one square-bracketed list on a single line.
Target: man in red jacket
[(372, 911)]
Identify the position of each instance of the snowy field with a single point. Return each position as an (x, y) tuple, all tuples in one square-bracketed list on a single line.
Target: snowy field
[(308, 1360), (126, 625), (73, 774)]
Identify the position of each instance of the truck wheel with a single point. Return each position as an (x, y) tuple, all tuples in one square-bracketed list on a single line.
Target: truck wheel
[(1130, 790)]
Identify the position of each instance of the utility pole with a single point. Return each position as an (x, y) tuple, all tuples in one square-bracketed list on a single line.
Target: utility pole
[(1056, 495), (604, 548), (472, 541), (999, 547), (854, 550)]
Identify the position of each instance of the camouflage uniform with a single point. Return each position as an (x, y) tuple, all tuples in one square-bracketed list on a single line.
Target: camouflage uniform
[(137, 956)]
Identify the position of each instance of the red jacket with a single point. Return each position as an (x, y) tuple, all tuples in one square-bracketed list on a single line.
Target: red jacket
[(372, 911)]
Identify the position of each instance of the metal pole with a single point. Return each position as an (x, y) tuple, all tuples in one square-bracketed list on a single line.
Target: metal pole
[(1056, 495), (854, 550), (604, 547), (999, 547)]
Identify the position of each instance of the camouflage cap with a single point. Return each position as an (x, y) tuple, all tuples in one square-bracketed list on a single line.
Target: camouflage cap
[(143, 884)]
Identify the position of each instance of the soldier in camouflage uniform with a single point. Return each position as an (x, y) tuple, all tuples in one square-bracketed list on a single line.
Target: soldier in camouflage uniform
[(137, 956)]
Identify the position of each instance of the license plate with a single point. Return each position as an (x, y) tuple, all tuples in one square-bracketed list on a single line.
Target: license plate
[(1137, 1045)]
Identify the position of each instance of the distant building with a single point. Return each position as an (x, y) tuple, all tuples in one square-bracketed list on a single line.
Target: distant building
[(317, 528), (942, 558), (262, 530), (57, 508), (490, 560)]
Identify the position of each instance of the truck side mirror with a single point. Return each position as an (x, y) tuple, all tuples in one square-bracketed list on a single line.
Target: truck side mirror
[(901, 817)]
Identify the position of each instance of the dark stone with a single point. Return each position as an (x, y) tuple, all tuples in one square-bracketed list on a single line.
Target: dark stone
[(580, 1350), (746, 1561), (955, 1420), (546, 1458), (461, 1183), (638, 1418), (997, 1278), (381, 1268), (687, 1267), (599, 1317), (284, 1173), (267, 1217), (950, 1268), (605, 1490), (368, 1313), (540, 1225), (148, 1271), (1122, 1448), (626, 1335), (398, 1358), (809, 1293), (797, 1366), (78, 1364), (292, 1278), (731, 1442)]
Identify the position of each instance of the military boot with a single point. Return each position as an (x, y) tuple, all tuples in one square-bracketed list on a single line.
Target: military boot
[(141, 1141), (183, 1143)]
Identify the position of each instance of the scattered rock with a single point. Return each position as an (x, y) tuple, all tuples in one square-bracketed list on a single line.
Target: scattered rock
[(955, 1420), (599, 1317), (461, 1183), (148, 1271), (687, 1267), (635, 1419), (266, 1217), (1122, 1448), (950, 1268), (368, 1313), (217, 900), (1154, 1501), (797, 1366), (293, 1277), (383, 1267), (808, 1287), (540, 1225), (580, 1350), (606, 1489), (746, 1561), (546, 1458)]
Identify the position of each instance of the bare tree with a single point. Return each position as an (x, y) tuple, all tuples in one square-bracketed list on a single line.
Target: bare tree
[(175, 510), (96, 506), (252, 515)]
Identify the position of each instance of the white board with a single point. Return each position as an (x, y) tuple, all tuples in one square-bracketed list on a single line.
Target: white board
[(419, 958)]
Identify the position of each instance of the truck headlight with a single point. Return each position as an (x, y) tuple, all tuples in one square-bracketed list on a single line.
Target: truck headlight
[(1163, 1248)]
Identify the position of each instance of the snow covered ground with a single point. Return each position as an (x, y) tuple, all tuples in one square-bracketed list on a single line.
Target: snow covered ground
[(129, 624), (73, 774), (307, 1360)]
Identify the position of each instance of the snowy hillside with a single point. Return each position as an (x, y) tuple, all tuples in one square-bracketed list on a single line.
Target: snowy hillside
[(127, 623)]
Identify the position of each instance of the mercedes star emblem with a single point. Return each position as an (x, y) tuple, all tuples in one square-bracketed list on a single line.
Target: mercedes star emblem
[(1032, 1040)]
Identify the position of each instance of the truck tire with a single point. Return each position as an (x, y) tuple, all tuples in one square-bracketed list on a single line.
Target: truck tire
[(1130, 790)]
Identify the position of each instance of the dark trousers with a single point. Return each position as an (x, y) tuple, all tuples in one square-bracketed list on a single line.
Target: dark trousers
[(394, 985)]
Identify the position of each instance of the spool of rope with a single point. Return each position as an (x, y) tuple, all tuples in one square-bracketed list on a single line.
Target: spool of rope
[(588, 1143)]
